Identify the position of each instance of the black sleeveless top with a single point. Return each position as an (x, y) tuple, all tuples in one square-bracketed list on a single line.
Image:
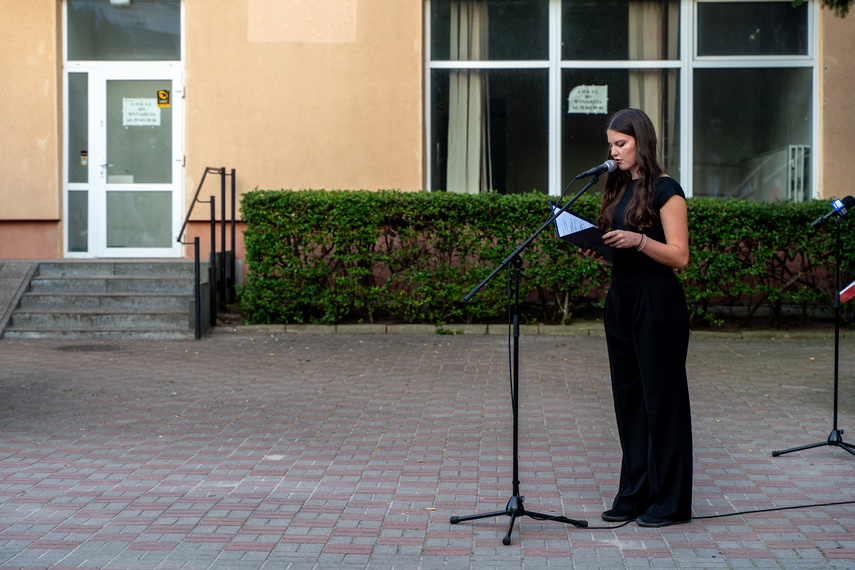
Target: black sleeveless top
[(629, 261)]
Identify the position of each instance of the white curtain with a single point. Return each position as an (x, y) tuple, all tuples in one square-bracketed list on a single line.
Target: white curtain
[(649, 22), (468, 168)]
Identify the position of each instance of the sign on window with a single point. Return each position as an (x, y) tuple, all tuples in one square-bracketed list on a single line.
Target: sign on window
[(140, 112), (588, 99)]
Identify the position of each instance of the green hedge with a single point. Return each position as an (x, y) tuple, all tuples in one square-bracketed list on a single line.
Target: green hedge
[(331, 256)]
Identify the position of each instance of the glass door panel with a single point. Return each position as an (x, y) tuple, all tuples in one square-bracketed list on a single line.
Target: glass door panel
[(139, 219), (78, 128), (77, 221), (139, 133), (77, 202)]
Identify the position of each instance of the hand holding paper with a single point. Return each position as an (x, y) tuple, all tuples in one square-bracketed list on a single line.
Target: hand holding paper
[(576, 230)]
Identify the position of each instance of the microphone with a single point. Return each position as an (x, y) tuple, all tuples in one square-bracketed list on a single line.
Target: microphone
[(839, 207), (607, 166)]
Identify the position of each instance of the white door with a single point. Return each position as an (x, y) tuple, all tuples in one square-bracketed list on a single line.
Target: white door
[(131, 202), (139, 162)]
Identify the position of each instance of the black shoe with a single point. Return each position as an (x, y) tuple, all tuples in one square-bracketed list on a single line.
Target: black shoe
[(656, 522), (614, 515)]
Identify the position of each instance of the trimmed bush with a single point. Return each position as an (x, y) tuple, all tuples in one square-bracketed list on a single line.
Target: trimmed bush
[(332, 256)]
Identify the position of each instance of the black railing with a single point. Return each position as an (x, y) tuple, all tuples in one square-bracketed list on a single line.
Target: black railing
[(221, 273)]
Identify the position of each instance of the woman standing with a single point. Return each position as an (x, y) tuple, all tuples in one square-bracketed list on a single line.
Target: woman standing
[(647, 327)]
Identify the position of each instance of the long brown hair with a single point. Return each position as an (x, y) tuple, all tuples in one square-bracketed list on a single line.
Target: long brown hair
[(639, 213)]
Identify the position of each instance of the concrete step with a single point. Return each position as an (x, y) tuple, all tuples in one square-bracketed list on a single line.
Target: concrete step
[(82, 319), (104, 301), (120, 267), (152, 333), (112, 284), (109, 299)]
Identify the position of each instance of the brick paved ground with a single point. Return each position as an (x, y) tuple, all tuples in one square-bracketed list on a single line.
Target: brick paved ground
[(323, 451)]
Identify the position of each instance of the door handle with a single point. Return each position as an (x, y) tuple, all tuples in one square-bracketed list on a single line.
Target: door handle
[(106, 165)]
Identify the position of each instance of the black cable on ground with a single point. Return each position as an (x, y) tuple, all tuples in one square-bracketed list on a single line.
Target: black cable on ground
[(774, 509), (559, 518)]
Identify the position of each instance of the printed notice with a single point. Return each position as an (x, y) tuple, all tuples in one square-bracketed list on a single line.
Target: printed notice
[(568, 223), (139, 112), (588, 99), (582, 233)]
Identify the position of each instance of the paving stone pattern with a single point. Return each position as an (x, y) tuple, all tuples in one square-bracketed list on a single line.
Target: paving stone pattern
[(330, 451)]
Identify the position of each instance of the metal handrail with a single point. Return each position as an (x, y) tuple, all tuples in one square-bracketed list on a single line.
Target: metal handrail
[(196, 197), (227, 268)]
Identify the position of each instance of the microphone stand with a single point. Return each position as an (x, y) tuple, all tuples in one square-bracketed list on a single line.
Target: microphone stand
[(836, 435), (515, 507)]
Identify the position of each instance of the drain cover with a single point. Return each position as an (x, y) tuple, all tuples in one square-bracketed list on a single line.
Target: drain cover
[(90, 348)]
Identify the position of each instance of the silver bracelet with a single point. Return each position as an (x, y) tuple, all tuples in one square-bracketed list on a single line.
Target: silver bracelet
[(643, 242)]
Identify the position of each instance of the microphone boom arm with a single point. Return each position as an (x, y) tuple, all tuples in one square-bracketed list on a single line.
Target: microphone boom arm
[(530, 239)]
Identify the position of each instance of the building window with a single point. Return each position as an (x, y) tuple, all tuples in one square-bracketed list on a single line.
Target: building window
[(100, 31), (519, 91), (753, 101), (480, 138), (752, 29)]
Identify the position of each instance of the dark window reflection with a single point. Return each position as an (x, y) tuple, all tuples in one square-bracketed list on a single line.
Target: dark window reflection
[(510, 147), (509, 29), (752, 133), (99, 31), (752, 28)]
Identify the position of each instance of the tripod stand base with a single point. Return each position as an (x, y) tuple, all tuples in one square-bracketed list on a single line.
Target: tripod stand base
[(834, 438), (514, 510)]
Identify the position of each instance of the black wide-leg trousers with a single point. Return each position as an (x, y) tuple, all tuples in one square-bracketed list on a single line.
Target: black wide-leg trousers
[(647, 331)]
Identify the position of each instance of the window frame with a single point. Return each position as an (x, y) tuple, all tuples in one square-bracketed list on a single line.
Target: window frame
[(688, 61)]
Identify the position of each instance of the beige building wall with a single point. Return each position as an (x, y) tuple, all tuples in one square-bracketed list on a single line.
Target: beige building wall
[(299, 94), (292, 94), (30, 129), (837, 83)]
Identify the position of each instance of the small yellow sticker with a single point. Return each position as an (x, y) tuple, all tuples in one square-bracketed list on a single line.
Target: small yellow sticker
[(163, 98)]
